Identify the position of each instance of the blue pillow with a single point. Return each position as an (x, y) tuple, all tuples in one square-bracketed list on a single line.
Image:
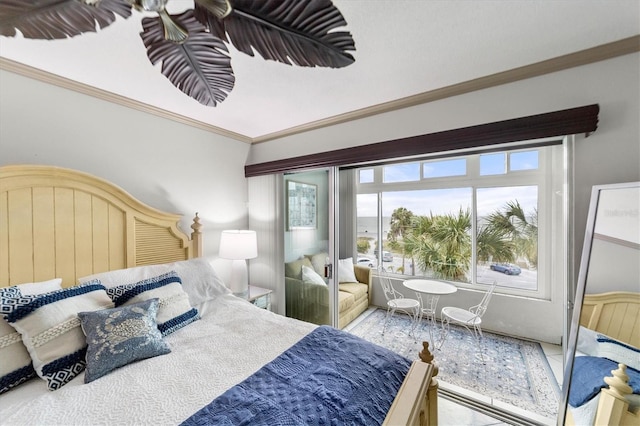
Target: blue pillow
[(587, 378), (119, 336), (174, 310)]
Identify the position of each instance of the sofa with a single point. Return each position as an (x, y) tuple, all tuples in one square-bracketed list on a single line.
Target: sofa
[(307, 294)]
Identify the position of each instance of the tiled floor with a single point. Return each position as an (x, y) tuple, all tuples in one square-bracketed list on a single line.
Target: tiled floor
[(454, 414)]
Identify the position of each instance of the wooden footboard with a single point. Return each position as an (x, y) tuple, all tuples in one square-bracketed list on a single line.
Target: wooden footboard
[(417, 400)]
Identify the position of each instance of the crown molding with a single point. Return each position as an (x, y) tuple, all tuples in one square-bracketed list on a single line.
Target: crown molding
[(559, 63), (582, 57), (65, 83)]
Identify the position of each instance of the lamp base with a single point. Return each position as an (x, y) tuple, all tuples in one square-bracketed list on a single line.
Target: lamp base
[(239, 283)]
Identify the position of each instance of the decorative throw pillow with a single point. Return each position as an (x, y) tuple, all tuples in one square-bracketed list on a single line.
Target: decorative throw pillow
[(618, 351), (119, 336), (174, 312), (50, 328), (318, 261), (16, 366), (199, 279), (345, 271), (294, 269), (310, 276)]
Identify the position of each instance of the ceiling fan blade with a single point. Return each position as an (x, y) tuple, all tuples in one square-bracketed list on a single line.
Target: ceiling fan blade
[(218, 8), (58, 19), (200, 66), (300, 32)]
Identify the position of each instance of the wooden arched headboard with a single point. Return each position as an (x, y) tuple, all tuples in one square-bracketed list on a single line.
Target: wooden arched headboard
[(61, 223), (616, 314)]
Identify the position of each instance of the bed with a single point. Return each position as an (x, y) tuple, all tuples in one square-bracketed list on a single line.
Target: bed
[(68, 238), (605, 382)]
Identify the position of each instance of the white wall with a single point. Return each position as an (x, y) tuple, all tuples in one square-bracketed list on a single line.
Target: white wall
[(178, 168), (611, 154), (167, 165)]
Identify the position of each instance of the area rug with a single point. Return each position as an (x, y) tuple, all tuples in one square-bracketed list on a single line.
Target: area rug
[(514, 371)]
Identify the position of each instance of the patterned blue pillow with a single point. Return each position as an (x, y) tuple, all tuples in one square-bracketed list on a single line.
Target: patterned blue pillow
[(119, 336), (50, 327), (174, 312)]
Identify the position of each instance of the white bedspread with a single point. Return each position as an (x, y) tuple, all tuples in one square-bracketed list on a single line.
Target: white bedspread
[(231, 341)]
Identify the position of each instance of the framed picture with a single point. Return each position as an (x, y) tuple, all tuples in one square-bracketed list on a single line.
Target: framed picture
[(302, 205)]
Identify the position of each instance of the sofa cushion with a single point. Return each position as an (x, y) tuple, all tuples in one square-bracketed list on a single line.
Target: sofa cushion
[(345, 271), (310, 276), (345, 301), (358, 290), (294, 269), (318, 261)]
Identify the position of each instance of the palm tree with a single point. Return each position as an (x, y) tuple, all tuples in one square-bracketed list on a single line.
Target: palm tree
[(521, 229), (494, 244), (399, 228), (442, 244)]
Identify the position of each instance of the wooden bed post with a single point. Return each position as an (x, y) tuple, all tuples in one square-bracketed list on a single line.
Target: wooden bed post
[(613, 405), (432, 393), (196, 237), (417, 400)]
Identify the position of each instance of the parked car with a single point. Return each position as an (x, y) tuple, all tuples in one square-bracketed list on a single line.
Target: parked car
[(506, 268), (386, 255), (366, 261)]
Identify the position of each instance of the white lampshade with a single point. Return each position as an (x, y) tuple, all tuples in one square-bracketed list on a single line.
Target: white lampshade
[(238, 244)]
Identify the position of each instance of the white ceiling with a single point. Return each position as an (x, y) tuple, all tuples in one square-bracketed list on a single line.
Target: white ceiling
[(403, 48)]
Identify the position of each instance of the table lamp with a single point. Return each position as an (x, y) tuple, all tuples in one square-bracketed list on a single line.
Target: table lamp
[(238, 246)]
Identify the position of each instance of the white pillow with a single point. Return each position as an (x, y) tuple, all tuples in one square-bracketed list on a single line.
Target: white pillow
[(199, 280), (318, 261), (587, 341), (345, 271), (16, 366), (41, 287), (311, 276)]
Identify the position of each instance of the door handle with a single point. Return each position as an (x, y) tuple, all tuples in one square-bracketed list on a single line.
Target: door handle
[(328, 270)]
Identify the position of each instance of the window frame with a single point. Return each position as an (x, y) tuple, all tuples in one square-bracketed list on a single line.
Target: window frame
[(549, 158)]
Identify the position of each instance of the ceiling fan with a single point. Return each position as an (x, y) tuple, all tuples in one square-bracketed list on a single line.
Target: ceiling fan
[(191, 45)]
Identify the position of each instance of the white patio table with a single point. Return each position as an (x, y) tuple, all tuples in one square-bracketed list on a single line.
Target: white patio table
[(432, 290)]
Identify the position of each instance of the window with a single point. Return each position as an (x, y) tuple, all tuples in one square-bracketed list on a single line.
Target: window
[(468, 219), (365, 176), (492, 164), (444, 168), (405, 172)]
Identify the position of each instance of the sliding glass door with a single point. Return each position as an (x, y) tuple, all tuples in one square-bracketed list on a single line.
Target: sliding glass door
[(308, 246)]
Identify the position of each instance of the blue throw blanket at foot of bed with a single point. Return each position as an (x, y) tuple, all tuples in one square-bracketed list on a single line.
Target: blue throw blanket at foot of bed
[(329, 377)]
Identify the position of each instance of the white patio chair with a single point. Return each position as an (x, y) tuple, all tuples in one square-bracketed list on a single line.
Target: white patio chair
[(467, 318), (397, 302)]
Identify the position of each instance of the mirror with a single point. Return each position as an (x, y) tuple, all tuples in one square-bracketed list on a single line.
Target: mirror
[(607, 299)]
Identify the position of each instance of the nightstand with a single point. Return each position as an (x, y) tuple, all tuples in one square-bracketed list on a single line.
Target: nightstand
[(261, 297)]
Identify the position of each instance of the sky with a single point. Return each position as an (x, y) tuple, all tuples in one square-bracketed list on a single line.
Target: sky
[(444, 201)]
